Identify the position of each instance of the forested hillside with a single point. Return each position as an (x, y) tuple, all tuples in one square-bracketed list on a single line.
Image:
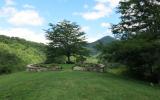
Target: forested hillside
[(15, 53), (104, 40)]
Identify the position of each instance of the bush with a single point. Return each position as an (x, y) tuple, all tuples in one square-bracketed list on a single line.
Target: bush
[(16, 53), (9, 62), (57, 60), (140, 55), (80, 59)]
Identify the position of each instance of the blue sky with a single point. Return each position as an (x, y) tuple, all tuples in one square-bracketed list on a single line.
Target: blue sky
[(28, 18)]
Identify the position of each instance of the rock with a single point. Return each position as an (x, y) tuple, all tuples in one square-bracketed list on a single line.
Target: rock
[(35, 68), (77, 68), (101, 65), (32, 68), (151, 84), (91, 68), (56, 68)]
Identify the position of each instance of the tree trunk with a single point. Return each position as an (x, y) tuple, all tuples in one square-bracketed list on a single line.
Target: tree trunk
[(69, 60), (68, 56)]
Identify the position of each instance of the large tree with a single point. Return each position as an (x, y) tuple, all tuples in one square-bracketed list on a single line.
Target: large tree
[(139, 46), (138, 16), (66, 38)]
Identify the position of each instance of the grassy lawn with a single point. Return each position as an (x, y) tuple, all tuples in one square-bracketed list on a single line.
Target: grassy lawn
[(92, 59), (73, 85)]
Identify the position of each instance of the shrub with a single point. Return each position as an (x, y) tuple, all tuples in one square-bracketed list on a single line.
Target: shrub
[(80, 59), (9, 62), (56, 59), (140, 55)]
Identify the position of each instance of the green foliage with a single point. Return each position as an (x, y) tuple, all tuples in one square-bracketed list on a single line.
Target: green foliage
[(141, 56), (9, 62), (56, 59), (92, 59), (138, 16), (71, 85), (54, 56), (139, 46), (80, 59), (16, 53), (66, 39)]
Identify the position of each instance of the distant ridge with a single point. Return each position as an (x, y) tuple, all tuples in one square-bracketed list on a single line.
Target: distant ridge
[(104, 40)]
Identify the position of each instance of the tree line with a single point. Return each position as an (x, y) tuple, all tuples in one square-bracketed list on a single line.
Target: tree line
[(16, 53), (138, 46)]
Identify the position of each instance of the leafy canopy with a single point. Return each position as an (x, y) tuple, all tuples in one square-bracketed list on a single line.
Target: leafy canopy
[(66, 38), (138, 16), (139, 45)]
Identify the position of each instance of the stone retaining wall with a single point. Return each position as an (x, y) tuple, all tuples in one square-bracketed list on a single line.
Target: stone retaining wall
[(95, 68), (35, 68)]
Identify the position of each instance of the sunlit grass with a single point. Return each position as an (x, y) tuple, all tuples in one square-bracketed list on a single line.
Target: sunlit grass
[(73, 85)]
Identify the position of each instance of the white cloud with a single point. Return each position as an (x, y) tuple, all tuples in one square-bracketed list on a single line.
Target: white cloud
[(27, 6), (103, 1), (108, 31), (9, 2), (112, 3), (26, 17), (100, 7), (24, 33), (7, 11), (106, 25), (103, 8), (19, 18), (92, 39), (99, 11), (99, 35), (85, 28)]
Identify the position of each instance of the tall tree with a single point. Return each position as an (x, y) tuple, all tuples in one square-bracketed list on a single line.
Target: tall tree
[(67, 38), (138, 16), (139, 47)]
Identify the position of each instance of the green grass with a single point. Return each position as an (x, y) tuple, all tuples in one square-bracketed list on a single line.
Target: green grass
[(92, 59), (73, 85)]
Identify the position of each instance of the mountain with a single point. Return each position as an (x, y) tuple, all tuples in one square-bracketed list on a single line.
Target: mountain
[(104, 40), (16, 53)]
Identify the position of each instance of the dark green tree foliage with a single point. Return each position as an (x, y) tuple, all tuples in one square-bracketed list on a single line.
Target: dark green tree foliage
[(80, 59), (9, 62), (66, 38), (141, 57), (138, 16), (139, 31), (54, 55)]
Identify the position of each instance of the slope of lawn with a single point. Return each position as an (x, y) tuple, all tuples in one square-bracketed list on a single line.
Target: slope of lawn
[(73, 85)]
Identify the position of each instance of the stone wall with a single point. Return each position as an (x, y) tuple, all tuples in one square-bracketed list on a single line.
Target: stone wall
[(91, 68), (35, 68)]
